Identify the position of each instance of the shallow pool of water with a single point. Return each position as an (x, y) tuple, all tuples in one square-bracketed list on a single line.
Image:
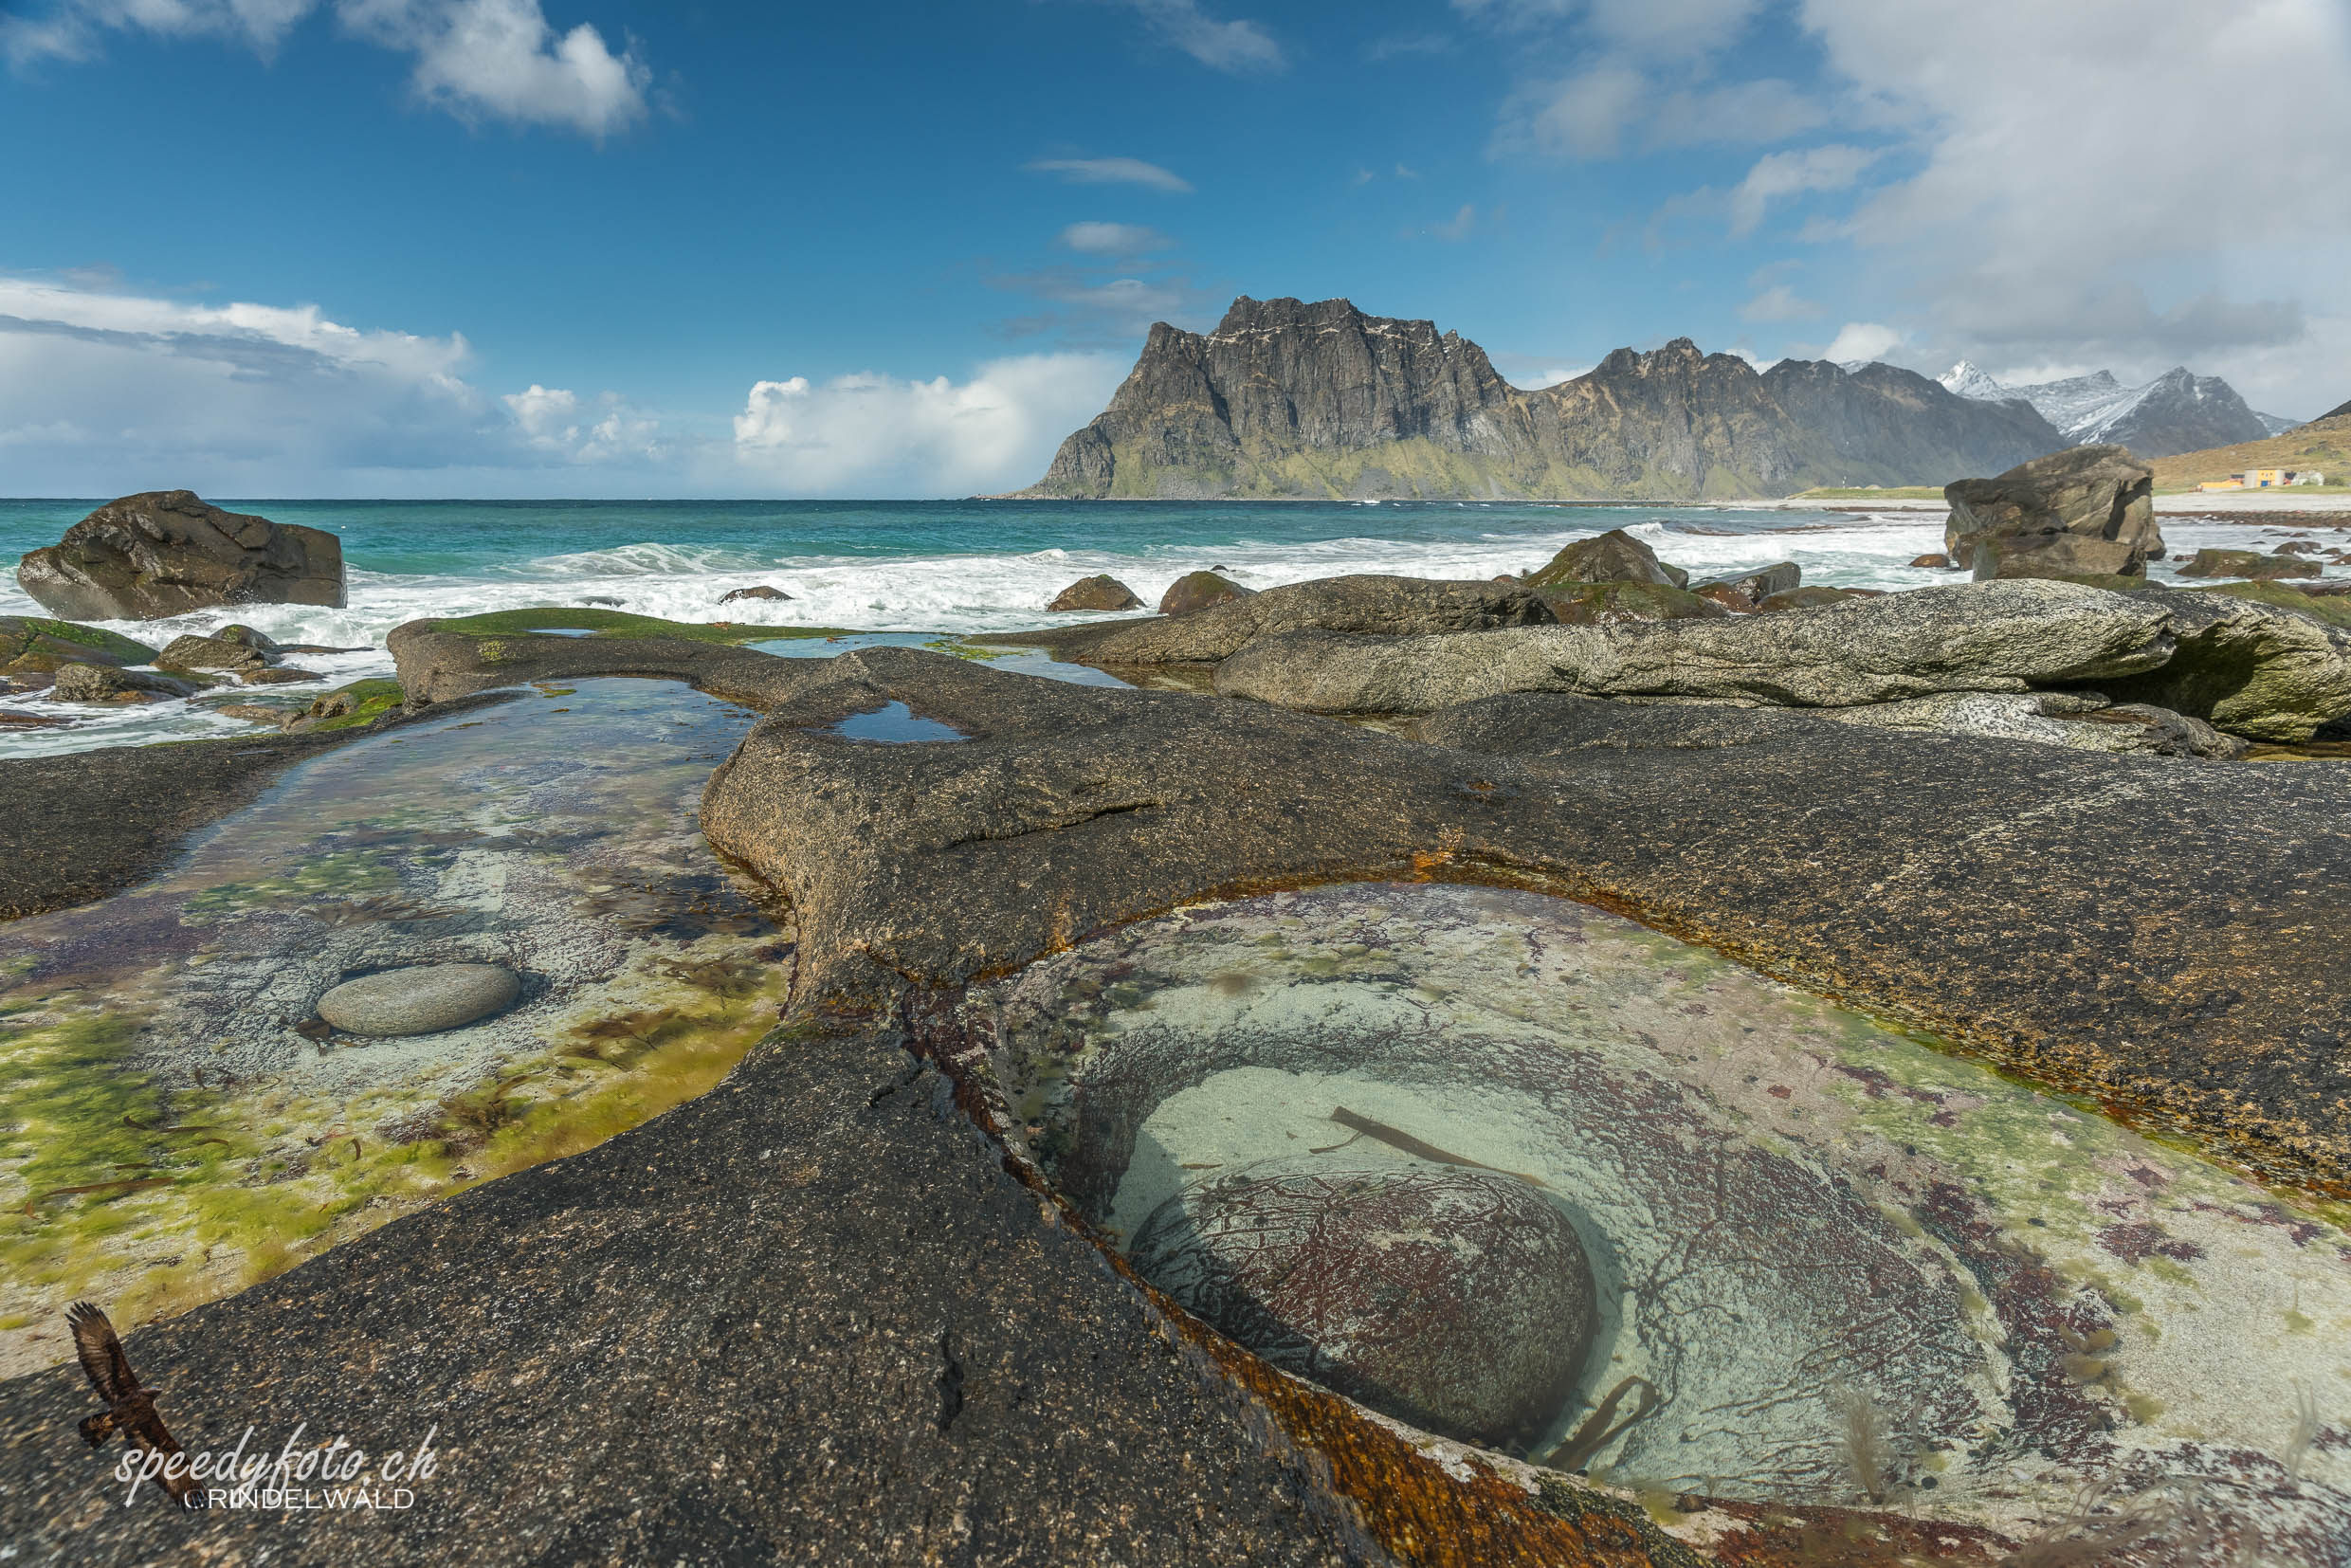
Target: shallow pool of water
[(178, 1120), (1857, 1270)]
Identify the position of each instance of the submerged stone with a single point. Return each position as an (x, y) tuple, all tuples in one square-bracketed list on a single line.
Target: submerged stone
[(425, 999), (1460, 1301)]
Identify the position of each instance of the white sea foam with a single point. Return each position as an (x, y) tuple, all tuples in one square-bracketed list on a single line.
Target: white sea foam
[(960, 593)]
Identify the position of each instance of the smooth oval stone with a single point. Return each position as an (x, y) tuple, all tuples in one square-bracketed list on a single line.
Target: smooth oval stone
[(1458, 1299), (420, 1000)]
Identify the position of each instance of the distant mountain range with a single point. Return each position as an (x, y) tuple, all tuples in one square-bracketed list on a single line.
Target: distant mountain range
[(1291, 399), (2174, 412)]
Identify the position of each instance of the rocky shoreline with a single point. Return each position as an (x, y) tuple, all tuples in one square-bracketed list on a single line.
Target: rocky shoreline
[(880, 1331)]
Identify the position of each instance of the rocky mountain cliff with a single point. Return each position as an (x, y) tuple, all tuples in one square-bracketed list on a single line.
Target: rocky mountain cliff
[(1291, 399), (2178, 411)]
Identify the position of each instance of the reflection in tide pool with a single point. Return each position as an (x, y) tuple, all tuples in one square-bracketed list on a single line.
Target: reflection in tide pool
[(1853, 1269), (177, 1120)]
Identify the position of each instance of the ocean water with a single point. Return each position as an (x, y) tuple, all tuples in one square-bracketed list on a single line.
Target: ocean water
[(934, 567)]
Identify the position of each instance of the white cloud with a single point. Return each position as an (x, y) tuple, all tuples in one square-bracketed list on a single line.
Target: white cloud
[(477, 59), (74, 30), (1111, 172), (1776, 174), (502, 59), (108, 394), (1113, 239), (872, 434), (1239, 47), (1778, 303), (2116, 182), (1862, 340)]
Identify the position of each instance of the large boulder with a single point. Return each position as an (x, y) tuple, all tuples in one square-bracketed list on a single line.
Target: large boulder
[(166, 552), (1458, 1299), (2086, 511), (2241, 665), (1196, 591), (1614, 556), (1099, 592), (1385, 606)]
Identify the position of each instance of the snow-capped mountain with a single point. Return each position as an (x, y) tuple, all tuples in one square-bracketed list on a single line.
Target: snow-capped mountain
[(2174, 412)]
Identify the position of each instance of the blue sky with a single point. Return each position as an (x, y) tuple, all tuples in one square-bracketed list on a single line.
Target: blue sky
[(575, 247)]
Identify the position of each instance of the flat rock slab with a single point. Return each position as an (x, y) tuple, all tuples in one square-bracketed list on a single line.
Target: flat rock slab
[(422, 999), (2158, 934)]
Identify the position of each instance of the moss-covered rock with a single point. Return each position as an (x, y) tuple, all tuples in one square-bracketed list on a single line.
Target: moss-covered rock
[(33, 645), (615, 622), (2330, 609)]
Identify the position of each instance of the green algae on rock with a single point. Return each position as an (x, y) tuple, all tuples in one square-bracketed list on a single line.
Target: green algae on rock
[(181, 1123), (615, 622), (1791, 1208)]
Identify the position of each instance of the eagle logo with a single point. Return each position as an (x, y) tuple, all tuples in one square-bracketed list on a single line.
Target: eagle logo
[(130, 1405)]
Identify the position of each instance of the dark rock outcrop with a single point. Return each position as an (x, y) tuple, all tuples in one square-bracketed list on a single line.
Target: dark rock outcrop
[(1938, 561), (109, 683), (195, 652), (1614, 556), (762, 591), (1196, 591), (1102, 593), (2248, 563), (2088, 511), (1460, 1301), (1288, 398), (1749, 589), (165, 552), (1367, 604)]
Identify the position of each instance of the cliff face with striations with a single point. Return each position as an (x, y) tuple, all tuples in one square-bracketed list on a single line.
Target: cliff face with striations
[(1291, 399)]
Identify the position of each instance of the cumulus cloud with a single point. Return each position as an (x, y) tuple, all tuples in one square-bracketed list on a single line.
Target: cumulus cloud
[(1238, 47), (502, 60), (1862, 340), (870, 434), (477, 59), (1112, 172), (557, 420), (1113, 239)]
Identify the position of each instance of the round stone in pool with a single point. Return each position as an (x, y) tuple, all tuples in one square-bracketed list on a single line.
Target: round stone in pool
[(1458, 1299), (422, 999)]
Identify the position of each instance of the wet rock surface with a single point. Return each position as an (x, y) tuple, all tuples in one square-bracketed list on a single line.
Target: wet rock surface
[(108, 683), (1101, 593), (965, 1375), (420, 999), (166, 551), (1198, 591), (2248, 563), (1460, 1301)]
